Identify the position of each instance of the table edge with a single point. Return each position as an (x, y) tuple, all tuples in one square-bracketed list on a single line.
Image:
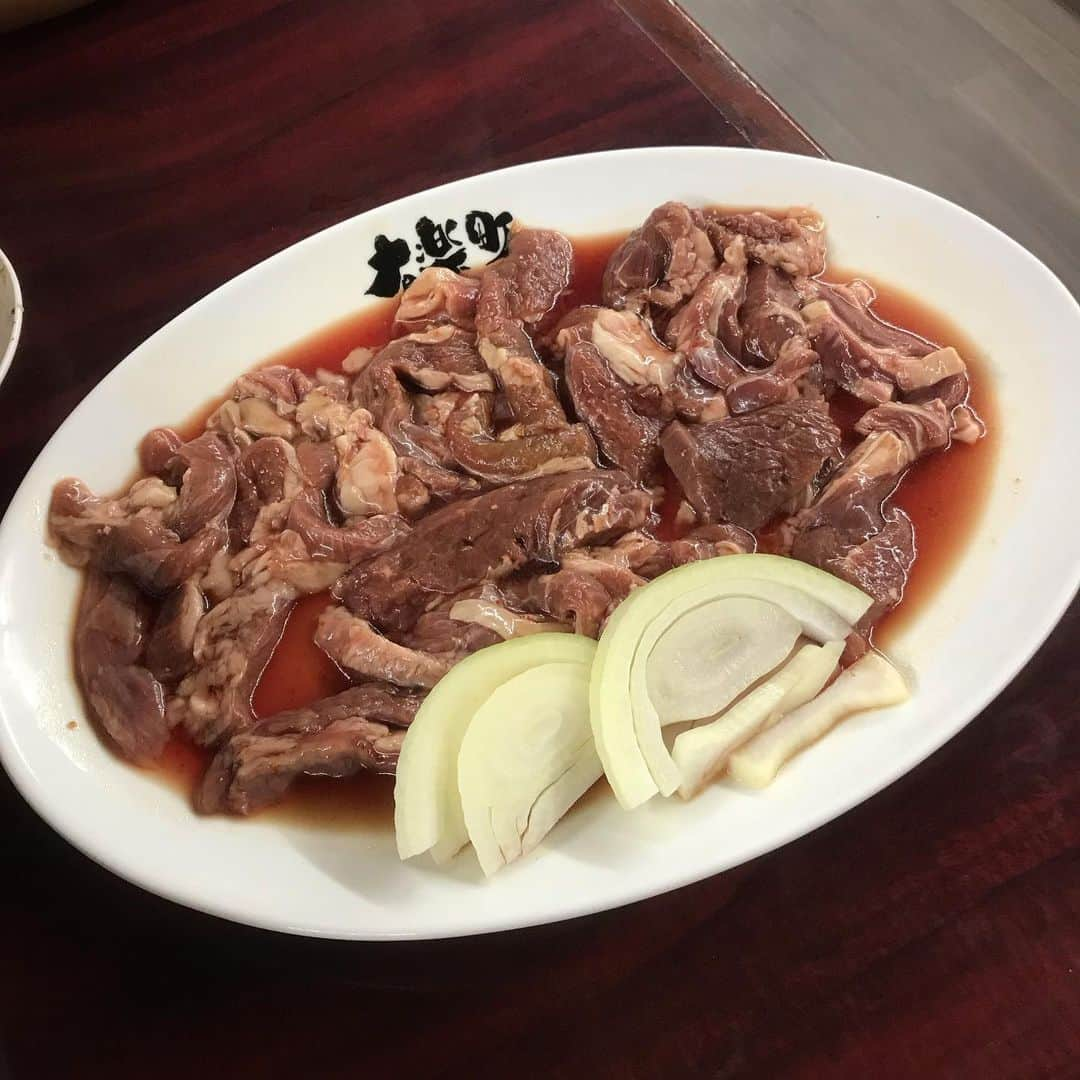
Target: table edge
[(762, 121)]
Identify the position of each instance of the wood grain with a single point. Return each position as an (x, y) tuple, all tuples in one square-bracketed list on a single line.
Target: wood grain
[(150, 152)]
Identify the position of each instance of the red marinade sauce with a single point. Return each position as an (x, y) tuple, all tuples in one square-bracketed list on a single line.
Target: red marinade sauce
[(943, 495)]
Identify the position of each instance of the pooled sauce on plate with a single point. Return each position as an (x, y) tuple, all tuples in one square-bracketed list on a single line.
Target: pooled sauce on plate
[(942, 496)]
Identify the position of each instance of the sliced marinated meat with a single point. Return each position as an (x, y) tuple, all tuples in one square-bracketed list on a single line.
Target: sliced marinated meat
[(122, 695), (263, 402), (868, 357), (154, 557), (440, 358), (126, 535), (233, 643), (439, 296), (527, 385), (967, 427), (235, 638), (488, 608), (770, 318), (360, 728), (284, 387), (79, 521), (357, 647), (583, 592), (438, 633), (706, 329), (849, 530), (420, 482), (625, 384), (157, 455), (489, 536), (647, 557), (349, 543), (775, 343), (509, 455), (170, 647), (324, 412), (367, 473), (921, 428), (207, 467), (628, 345), (269, 477), (693, 400), (526, 284), (318, 462), (747, 469), (660, 264), (791, 240), (607, 404), (878, 564), (412, 422)]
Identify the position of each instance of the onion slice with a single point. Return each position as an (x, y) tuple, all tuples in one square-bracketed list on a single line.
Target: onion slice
[(427, 805), (526, 758), (702, 752), (870, 683), (696, 664), (611, 702)]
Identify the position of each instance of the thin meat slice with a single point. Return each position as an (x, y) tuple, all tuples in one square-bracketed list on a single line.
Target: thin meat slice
[(791, 240), (747, 469), (628, 345), (624, 384), (355, 540), (648, 557), (501, 458), (157, 455), (170, 647), (355, 645), (233, 644), (870, 358), (488, 537), (508, 352), (921, 428), (606, 403), (849, 530), (263, 402), (583, 592), (207, 466), (706, 329), (269, 477), (775, 344), (526, 284), (437, 297), (122, 695), (439, 358), (367, 474), (659, 265), (236, 637), (128, 536), (360, 728)]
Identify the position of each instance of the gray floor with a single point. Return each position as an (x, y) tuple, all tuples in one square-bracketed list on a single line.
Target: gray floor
[(978, 100)]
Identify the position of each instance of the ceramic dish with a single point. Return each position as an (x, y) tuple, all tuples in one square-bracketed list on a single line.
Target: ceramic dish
[(1000, 601)]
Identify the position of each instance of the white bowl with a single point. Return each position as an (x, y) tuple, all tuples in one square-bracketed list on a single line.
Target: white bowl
[(11, 314), (1008, 589)]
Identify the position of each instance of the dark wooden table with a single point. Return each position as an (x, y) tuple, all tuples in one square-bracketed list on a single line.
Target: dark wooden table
[(148, 152)]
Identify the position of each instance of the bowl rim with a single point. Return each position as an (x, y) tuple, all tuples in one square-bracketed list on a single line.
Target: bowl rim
[(8, 355)]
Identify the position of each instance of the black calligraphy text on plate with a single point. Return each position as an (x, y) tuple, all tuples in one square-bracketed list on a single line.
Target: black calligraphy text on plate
[(397, 263)]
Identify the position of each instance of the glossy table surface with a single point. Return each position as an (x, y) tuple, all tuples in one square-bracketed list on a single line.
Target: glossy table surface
[(149, 152)]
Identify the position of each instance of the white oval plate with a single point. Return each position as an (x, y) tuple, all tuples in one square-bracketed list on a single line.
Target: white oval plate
[(997, 606)]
